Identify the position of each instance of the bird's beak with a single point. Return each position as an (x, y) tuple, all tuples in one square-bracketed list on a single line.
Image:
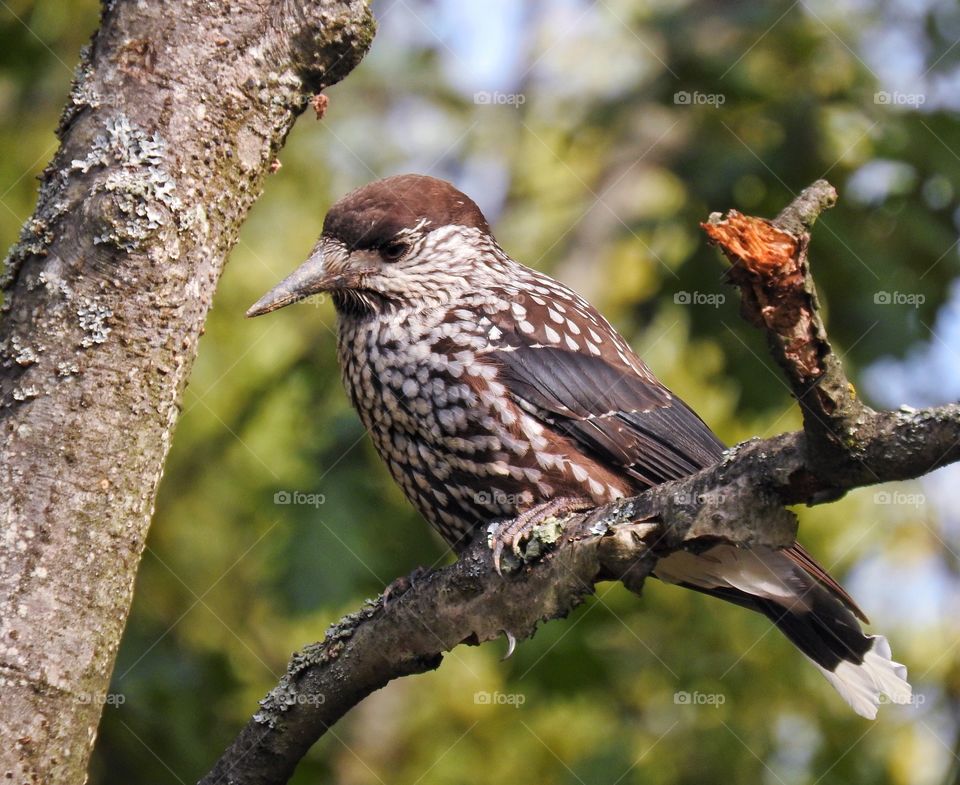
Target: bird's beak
[(313, 276)]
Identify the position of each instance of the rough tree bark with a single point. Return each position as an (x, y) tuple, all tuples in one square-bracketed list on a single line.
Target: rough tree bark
[(741, 499), (175, 116)]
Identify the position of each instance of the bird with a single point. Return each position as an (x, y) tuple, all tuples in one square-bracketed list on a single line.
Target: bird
[(495, 393)]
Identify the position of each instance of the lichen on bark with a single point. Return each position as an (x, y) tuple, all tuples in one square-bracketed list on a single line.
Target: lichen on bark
[(165, 145)]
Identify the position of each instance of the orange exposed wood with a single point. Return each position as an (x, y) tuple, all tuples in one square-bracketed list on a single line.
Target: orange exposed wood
[(759, 245)]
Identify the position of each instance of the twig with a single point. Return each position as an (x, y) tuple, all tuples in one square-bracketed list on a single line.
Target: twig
[(769, 264)]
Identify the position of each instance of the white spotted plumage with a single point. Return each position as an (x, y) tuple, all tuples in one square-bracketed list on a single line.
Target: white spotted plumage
[(489, 388), (425, 386)]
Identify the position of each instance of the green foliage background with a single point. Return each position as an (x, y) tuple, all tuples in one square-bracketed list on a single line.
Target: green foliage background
[(601, 177)]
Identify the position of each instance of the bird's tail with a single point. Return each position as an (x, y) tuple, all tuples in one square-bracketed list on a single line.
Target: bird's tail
[(808, 606)]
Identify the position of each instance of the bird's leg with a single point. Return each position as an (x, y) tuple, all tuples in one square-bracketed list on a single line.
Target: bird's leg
[(512, 533), (400, 586)]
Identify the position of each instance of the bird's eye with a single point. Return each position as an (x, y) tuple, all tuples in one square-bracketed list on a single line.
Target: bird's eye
[(393, 251)]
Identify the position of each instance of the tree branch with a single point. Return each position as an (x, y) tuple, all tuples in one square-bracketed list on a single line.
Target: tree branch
[(769, 264), (167, 138), (741, 500)]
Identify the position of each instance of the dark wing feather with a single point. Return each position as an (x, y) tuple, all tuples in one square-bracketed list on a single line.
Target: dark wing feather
[(614, 408), (627, 420), (799, 556)]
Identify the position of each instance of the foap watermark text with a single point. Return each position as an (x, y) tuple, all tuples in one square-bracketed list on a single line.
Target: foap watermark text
[(299, 498), (496, 98)]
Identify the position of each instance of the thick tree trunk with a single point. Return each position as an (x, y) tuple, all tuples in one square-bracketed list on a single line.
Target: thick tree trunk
[(177, 112)]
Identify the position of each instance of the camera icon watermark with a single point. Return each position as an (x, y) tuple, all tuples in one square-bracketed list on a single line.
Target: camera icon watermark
[(305, 699), (913, 299), (896, 98), (299, 498), (316, 300), (696, 98), (916, 699), (498, 499), (898, 498), (711, 299), (484, 698), (697, 698), (496, 98), (703, 499), (115, 699)]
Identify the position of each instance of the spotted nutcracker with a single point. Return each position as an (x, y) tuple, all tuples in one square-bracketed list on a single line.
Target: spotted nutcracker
[(493, 392)]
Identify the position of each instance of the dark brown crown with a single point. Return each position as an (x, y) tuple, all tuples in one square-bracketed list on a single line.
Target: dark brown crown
[(373, 215)]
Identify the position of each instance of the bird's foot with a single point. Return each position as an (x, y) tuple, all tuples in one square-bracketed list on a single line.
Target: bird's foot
[(402, 585), (512, 534)]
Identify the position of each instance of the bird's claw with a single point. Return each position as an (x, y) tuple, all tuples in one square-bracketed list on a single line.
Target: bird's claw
[(514, 533), (497, 552), (511, 645), (508, 533)]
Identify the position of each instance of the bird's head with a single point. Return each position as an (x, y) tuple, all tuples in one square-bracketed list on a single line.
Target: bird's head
[(403, 240)]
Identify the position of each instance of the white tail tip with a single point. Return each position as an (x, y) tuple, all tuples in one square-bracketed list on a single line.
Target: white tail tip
[(878, 679)]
